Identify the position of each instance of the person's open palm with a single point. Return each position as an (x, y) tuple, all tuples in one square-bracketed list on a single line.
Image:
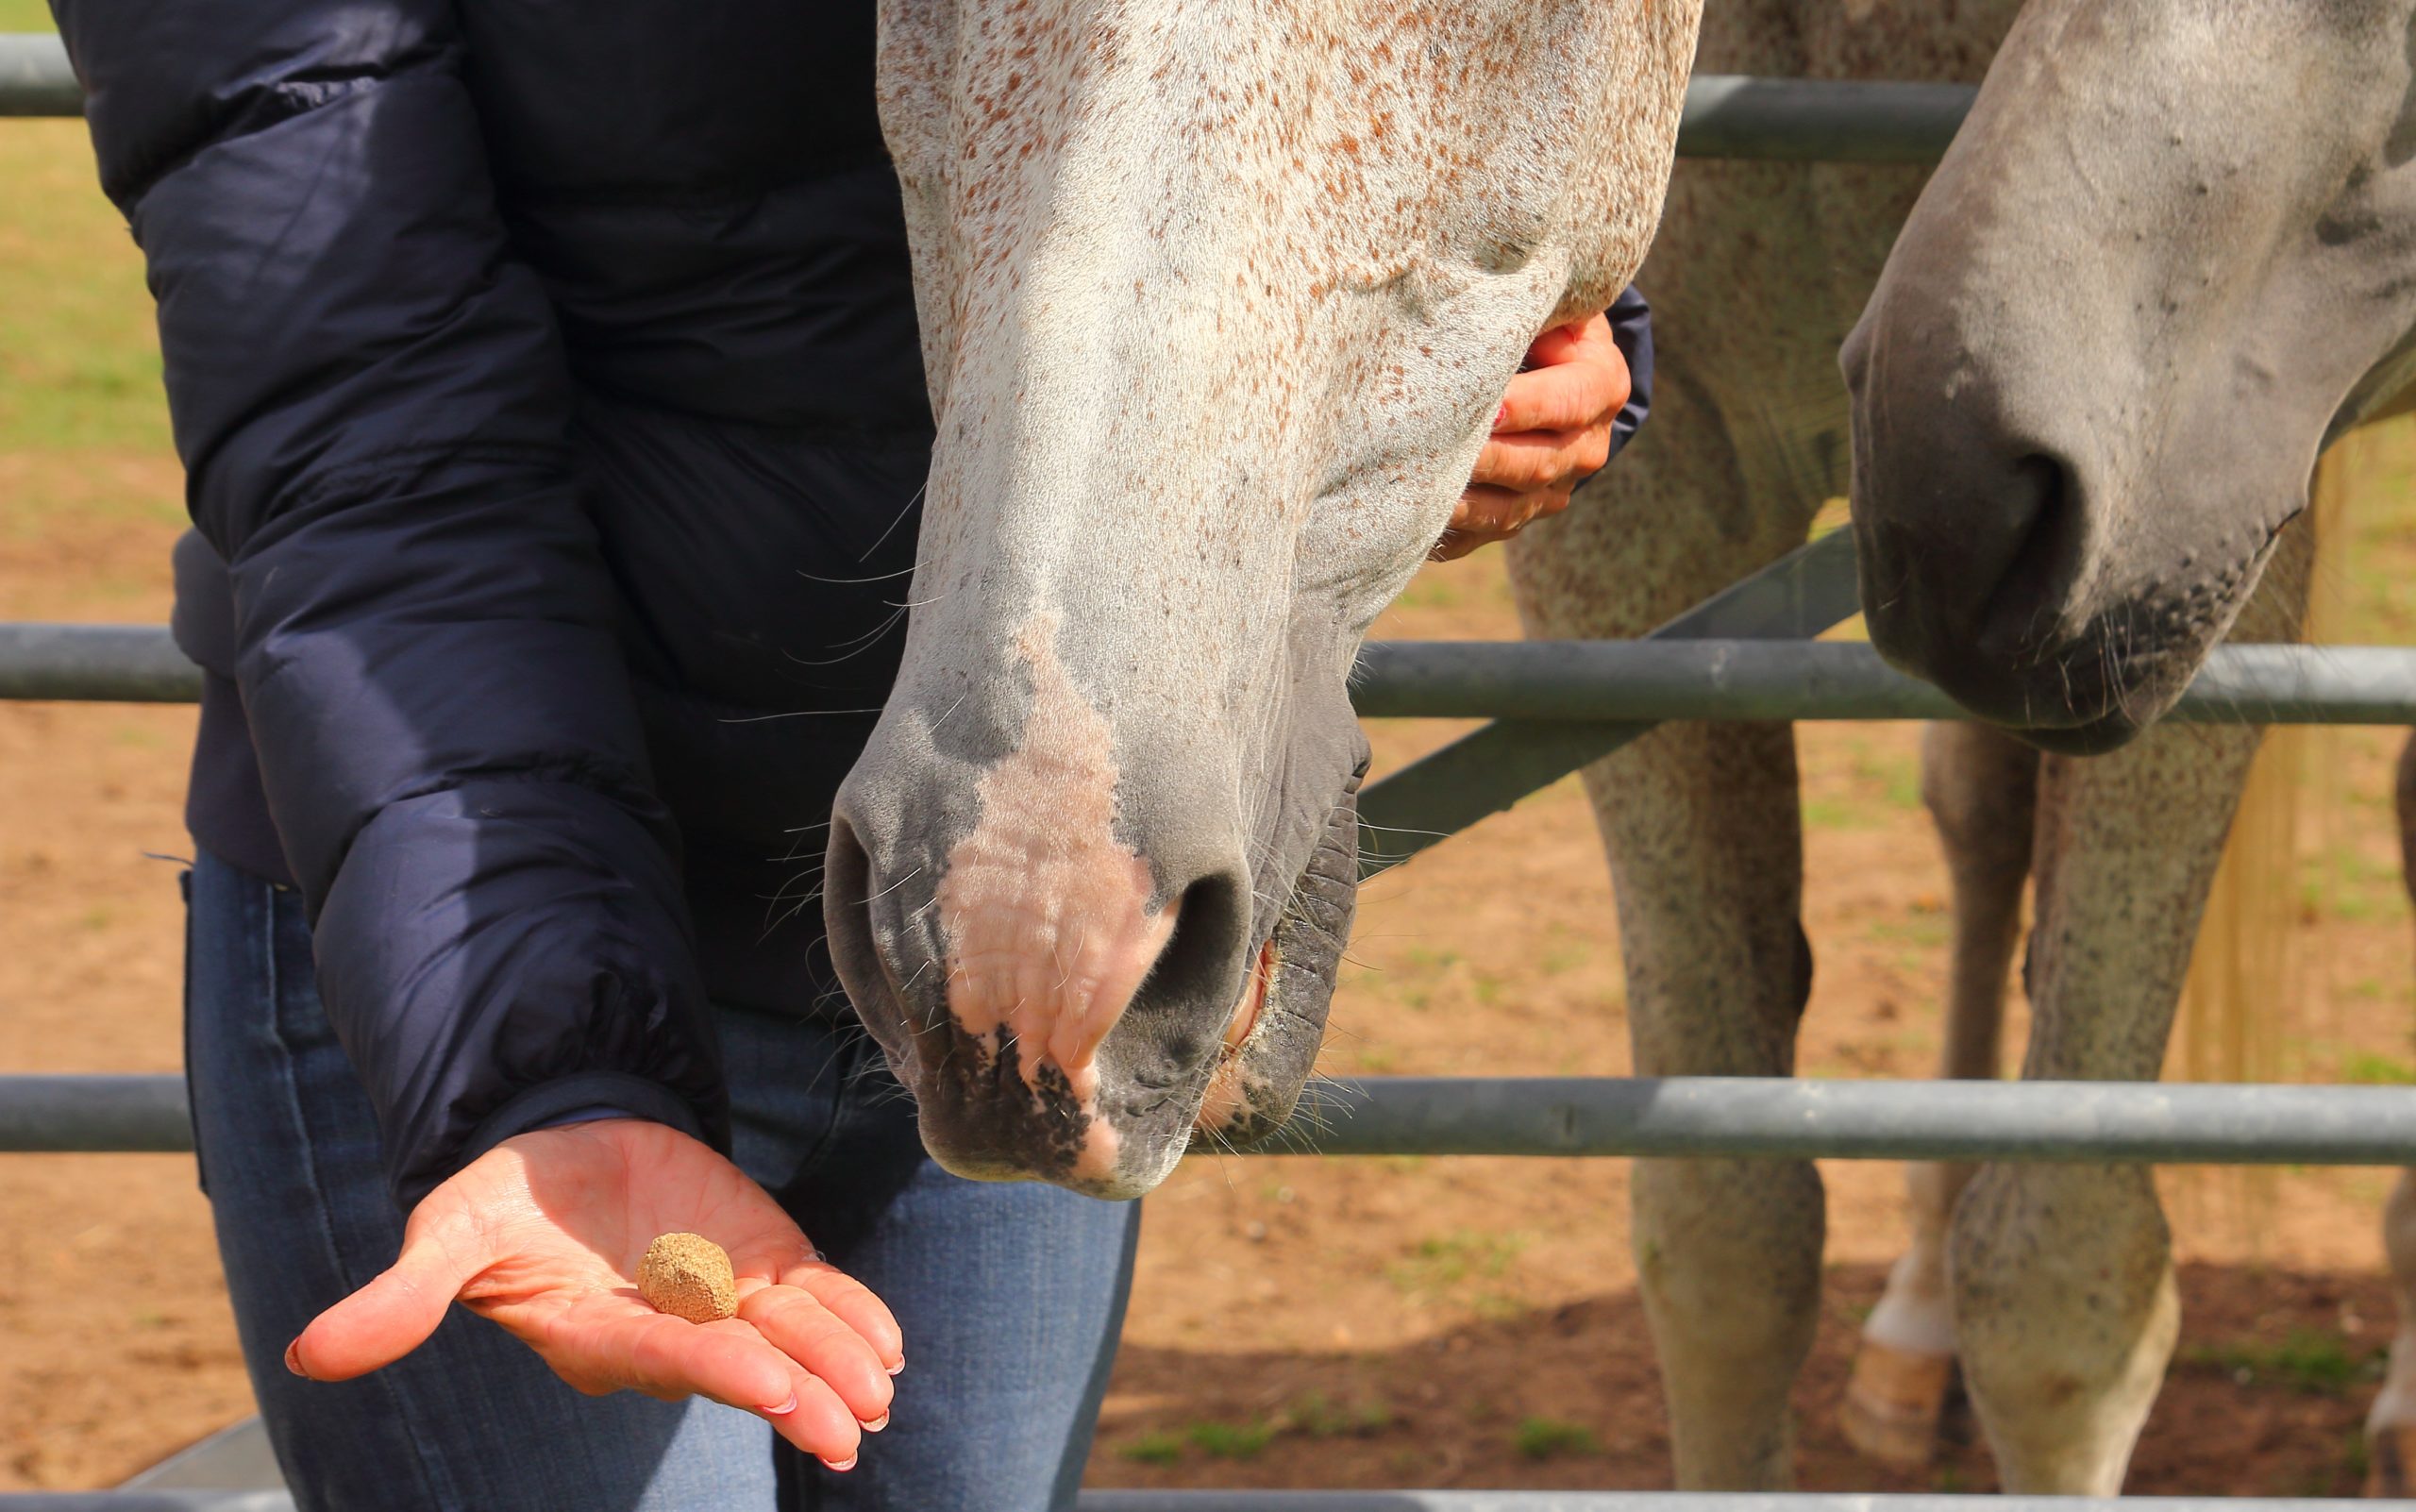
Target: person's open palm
[(543, 1235)]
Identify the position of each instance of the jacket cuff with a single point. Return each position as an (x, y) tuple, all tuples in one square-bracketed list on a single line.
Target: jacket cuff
[(611, 1094), (1630, 320)]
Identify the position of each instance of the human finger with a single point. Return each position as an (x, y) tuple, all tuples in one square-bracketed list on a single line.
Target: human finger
[(1485, 516), (1584, 387), (1529, 460), (1454, 545), (390, 1317), (821, 1424), (855, 1304), (799, 1326), (670, 1358)]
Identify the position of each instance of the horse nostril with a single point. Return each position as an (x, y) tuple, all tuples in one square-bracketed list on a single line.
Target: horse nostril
[(846, 923), (2039, 531), (1197, 978)]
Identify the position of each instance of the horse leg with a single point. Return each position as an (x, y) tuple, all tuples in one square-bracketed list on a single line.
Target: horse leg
[(1706, 845), (2391, 1425), (1704, 850), (1981, 788), (2065, 1308)]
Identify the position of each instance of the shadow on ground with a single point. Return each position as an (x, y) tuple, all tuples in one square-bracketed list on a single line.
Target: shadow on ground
[(2265, 1397)]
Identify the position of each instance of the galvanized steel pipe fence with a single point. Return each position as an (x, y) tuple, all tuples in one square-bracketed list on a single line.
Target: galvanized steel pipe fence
[(1747, 653)]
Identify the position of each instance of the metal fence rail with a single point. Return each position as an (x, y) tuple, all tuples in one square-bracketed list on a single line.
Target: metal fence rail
[(1647, 680), (1679, 1116), (1727, 115), (1359, 1502), (34, 77)]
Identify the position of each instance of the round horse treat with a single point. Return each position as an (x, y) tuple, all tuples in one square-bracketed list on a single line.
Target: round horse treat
[(688, 1276)]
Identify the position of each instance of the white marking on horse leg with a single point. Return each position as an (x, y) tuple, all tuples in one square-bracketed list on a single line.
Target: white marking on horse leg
[(1905, 1361), (1046, 913)]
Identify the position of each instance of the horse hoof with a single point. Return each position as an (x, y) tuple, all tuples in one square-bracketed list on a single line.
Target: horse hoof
[(2389, 1453), (1894, 1403)]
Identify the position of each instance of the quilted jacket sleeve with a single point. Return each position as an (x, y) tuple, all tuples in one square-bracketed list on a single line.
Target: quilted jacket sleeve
[(370, 400)]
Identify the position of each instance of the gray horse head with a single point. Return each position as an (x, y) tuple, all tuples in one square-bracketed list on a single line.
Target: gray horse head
[(2170, 256), (1217, 302)]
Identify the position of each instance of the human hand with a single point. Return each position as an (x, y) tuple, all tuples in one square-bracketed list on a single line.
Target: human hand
[(543, 1235), (1553, 430)]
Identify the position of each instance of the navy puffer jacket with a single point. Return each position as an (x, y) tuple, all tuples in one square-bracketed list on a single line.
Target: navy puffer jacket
[(547, 384)]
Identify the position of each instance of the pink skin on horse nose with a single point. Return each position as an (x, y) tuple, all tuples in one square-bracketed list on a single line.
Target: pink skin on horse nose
[(1046, 912)]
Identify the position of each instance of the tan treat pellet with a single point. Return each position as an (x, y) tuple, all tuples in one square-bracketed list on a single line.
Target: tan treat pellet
[(688, 1276)]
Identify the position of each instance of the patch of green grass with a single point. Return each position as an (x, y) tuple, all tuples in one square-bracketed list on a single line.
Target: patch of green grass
[(1837, 814), (1440, 1262), (2317, 1362), (1541, 1438), (1230, 1440), (1926, 929), (2377, 1070), (1431, 590), (1561, 959), (2344, 883), (1896, 775), (79, 358), (1320, 1417), (1157, 1448)]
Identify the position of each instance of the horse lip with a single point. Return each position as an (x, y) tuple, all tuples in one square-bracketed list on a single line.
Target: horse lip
[(1243, 1022), (2094, 737)]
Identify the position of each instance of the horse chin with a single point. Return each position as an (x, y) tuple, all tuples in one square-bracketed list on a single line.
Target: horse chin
[(2061, 714)]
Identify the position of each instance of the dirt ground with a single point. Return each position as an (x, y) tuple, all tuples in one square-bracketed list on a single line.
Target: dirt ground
[(1298, 1323)]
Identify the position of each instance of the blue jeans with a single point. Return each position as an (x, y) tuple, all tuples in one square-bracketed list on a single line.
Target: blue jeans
[(1010, 1297)]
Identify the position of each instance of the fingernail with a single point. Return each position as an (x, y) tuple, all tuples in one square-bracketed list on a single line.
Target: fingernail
[(1502, 416), (784, 1408), (900, 1365), (820, 1257), (846, 1464), (293, 1359), (878, 1423)]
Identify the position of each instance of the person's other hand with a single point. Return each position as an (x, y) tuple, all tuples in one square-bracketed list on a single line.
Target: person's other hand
[(1553, 431), (543, 1235)]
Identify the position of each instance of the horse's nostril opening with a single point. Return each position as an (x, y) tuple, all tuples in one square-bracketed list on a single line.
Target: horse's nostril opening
[(2044, 522), (846, 921), (1197, 970)]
